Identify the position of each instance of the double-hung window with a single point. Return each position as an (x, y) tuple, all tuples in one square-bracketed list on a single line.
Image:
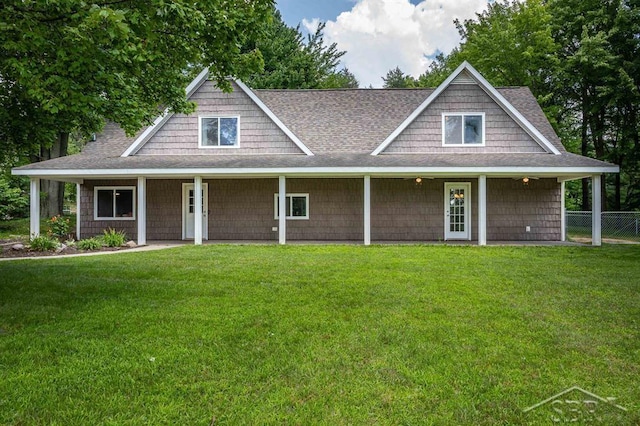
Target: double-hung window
[(463, 129), (219, 132), (114, 202), (297, 206)]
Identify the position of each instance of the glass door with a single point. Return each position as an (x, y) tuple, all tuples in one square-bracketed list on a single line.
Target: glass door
[(457, 211)]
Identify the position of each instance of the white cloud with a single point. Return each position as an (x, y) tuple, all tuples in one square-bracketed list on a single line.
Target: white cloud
[(379, 35)]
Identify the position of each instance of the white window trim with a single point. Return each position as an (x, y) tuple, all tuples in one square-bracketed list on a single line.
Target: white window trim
[(289, 217), (463, 114), (200, 145), (113, 188)]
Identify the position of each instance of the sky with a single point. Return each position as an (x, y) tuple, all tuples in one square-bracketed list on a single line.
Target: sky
[(379, 35)]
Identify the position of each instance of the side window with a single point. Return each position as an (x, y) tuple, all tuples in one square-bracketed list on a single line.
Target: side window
[(114, 203), (219, 132), (297, 206), (463, 129)]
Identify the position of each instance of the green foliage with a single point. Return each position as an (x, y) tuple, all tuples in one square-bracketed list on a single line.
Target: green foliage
[(58, 226), (268, 335), (396, 79), (43, 243), (291, 62), (581, 59), (510, 44), (343, 79), (14, 201), (68, 65), (89, 244), (113, 238)]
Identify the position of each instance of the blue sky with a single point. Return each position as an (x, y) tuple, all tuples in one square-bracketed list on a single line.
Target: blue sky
[(379, 35), (294, 11)]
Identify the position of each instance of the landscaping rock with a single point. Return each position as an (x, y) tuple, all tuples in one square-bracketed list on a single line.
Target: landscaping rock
[(18, 247), (130, 244), (61, 249)]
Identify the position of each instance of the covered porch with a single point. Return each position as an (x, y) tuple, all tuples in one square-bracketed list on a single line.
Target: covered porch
[(360, 208)]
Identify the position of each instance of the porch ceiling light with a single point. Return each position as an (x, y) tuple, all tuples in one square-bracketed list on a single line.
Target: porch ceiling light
[(525, 180), (418, 180)]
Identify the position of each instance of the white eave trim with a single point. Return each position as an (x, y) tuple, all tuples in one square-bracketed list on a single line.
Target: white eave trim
[(564, 172), (165, 116), (190, 90), (273, 117), (491, 91)]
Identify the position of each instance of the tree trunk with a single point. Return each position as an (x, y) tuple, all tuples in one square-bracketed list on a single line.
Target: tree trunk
[(53, 203)]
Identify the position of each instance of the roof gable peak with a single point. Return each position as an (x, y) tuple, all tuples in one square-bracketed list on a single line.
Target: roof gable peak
[(467, 74), (162, 119)]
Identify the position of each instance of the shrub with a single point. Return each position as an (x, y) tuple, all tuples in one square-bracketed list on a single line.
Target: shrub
[(14, 202), (43, 243), (58, 226), (113, 238), (89, 244)]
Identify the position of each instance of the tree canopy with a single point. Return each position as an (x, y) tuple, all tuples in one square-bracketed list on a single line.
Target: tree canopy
[(292, 61), (397, 79), (581, 60), (68, 65)]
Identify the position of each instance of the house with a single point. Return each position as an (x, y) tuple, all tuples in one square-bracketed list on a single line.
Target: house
[(463, 161)]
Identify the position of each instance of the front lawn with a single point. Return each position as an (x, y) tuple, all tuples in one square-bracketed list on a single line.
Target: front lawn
[(320, 335)]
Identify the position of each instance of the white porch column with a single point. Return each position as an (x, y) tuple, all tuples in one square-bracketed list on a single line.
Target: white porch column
[(78, 215), (482, 210), (563, 214), (596, 211), (197, 207), (367, 210), (282, 210), (142, 210), (34, 212)]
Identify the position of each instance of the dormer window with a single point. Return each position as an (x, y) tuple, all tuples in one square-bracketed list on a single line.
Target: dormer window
[(219, 132), (463, 129)]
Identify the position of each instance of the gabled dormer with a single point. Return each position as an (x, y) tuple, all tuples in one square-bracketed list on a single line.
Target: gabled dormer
[(465, 114), (234, 123)]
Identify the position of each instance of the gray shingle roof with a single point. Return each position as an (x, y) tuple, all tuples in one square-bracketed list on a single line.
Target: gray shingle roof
[(345, 126), (338, 160), (355, 120)]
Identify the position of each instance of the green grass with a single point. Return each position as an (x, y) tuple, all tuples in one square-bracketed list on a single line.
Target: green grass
[(318, 335), (15, 228)]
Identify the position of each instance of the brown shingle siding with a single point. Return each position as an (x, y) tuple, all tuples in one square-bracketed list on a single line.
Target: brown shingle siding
[(243, 209), (512, 206), (258, 133), (502, 134)]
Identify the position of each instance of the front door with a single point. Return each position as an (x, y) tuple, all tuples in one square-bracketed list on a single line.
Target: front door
[(457, 211), (188, 211)]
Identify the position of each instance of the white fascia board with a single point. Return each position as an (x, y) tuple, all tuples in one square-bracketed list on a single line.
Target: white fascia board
[(512, 111), (165, 116), (489, 89), (324, 171), (273, 117), (419, 110)]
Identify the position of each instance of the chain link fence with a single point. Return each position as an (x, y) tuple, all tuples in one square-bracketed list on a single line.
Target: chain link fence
[(623, 226)]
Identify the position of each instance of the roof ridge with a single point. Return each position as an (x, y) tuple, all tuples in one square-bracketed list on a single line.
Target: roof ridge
[(345, 89)]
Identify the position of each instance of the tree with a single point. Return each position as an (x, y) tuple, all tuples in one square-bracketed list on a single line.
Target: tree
[(69, 65), (510, 44), (396, 79), (343, 79), (293, 62), (581, 60), (600, 83)]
